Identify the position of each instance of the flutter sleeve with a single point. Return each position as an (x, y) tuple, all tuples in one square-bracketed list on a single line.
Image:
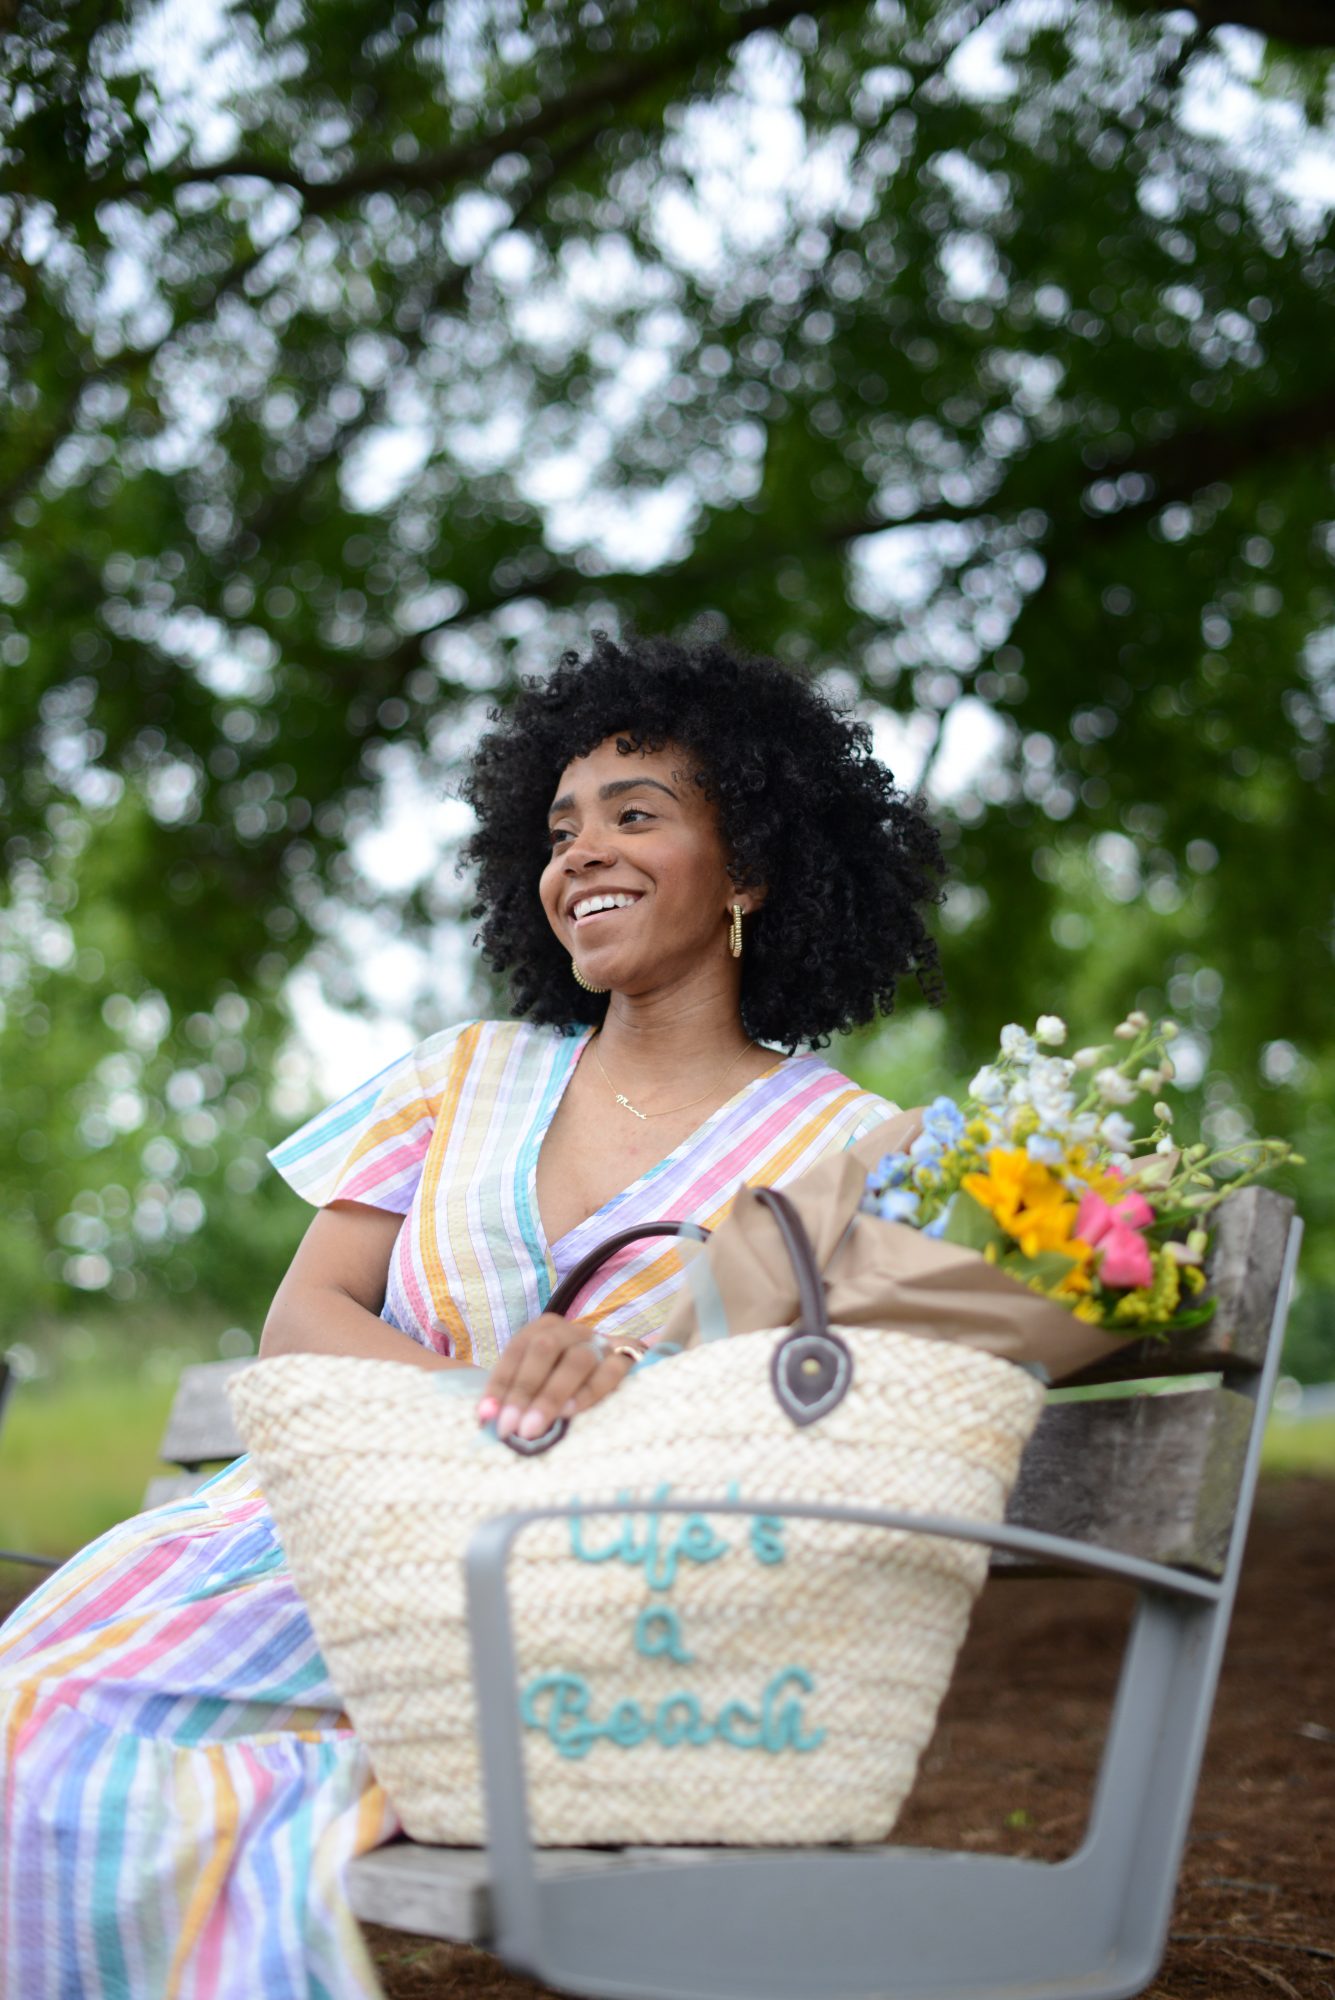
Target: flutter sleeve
[(369, 1146), (872, 1111)]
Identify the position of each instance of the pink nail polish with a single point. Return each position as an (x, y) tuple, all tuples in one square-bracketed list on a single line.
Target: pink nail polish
[(487, 1409), (532, 1424), (507, 1421)]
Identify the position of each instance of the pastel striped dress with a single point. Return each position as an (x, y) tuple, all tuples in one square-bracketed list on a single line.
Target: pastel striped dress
[(181, 1791)]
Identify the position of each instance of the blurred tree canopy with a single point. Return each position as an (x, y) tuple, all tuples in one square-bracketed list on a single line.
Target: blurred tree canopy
[(354, 359)]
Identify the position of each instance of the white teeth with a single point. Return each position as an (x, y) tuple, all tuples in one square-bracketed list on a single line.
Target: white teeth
[(588, 904)]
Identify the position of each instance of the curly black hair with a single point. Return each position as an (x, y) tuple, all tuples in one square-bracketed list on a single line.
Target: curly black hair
[(847, 860)]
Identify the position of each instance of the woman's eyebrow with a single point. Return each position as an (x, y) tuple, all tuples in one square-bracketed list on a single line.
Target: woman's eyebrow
[(613, 790)]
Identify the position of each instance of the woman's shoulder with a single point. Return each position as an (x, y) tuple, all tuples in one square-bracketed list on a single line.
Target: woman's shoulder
[(477, 1039), (847, 1108)]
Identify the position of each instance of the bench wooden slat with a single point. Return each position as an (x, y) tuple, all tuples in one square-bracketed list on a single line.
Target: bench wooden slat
[(200, 1428), (1251, 1229), (1151, 1476), (173, 1486)]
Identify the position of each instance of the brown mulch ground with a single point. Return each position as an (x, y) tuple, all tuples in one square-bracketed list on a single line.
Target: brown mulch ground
[(1010, 1769)]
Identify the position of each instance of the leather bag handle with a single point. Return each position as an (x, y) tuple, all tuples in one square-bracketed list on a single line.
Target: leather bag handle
[(811, 1369), (574, 1281), (568, 1291)]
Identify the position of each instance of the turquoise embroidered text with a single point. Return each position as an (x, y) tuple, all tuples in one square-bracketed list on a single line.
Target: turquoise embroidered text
[(558, 1705)]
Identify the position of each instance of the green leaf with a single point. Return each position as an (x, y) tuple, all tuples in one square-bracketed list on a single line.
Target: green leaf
[(1049, 1266), (971, 1226)]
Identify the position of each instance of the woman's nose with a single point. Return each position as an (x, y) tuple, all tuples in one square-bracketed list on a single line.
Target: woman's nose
[(591, 848)]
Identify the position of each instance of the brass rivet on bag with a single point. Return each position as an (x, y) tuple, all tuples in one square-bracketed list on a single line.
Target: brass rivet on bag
[(811, 1373)]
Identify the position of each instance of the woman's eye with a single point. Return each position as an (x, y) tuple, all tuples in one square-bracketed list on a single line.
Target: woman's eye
[(557, 835)]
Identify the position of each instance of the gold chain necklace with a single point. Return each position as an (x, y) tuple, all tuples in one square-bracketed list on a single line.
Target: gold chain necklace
[(670, 1112)]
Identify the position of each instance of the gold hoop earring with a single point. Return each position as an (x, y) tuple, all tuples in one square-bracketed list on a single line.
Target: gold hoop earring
[(735, 931), (580, 980)]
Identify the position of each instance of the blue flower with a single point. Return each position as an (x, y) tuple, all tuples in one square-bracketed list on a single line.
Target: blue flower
[(943, 1121), (937, 1226), (1040, 1147), (899, 1206), (890, 1172)]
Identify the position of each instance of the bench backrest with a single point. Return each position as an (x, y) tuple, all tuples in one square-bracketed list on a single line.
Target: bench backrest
[(1152, 1474)]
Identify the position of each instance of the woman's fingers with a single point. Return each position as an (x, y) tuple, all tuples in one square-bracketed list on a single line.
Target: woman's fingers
[(547, 1400), (504, 1376), (609, 1375), (546, 1368)]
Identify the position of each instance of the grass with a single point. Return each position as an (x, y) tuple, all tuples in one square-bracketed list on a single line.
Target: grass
[(1304, 1445), (76, 1455)]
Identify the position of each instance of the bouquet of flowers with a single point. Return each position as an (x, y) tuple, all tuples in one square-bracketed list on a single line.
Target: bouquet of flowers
[(1029, 1221), (1040, 1170)]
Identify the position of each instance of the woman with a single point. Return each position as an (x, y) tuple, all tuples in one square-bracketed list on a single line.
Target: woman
[(682, 857)]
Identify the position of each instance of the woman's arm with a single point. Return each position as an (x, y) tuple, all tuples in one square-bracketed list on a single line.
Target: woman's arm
[(330, 1300)]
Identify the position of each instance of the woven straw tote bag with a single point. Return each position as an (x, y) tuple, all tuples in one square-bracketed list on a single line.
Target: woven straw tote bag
[(744, 1680)]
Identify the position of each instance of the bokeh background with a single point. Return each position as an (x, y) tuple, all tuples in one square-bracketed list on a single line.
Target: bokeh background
[(355, 359)]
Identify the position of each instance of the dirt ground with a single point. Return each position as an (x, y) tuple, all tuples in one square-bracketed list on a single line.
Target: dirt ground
[(1010, 1768)]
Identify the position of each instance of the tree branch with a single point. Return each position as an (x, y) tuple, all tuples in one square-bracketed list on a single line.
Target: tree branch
[(124, 363), (448, 292), (468, 158), (1179, 466), (1175, 469), (1307, 23), (603, 93)]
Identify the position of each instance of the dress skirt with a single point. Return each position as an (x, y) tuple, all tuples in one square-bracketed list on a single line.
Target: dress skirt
[(181, 1789)]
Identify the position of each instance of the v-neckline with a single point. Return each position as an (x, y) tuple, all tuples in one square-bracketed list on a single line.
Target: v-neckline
[(551, 1250)]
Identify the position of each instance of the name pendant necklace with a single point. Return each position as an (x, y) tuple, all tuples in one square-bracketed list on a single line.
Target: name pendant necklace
[(671, 1111)]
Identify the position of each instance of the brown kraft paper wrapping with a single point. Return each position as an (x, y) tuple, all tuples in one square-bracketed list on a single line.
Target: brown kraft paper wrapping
[(882, 1274)]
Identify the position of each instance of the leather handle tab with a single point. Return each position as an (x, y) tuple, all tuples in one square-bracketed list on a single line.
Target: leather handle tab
[(574, 1281), (810, 1284), (811, 1368)]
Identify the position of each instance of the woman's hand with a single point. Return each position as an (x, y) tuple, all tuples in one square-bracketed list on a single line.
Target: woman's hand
[(553, 1367)]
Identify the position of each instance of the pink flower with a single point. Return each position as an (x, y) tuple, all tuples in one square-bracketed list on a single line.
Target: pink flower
[(1126, 1259), (1117, 1225), (1095, 1217), (1133, 1210)]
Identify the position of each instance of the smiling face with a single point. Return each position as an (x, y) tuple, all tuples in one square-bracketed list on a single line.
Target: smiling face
[(637, 887)]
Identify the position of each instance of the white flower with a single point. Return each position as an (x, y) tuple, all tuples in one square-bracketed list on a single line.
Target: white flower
[(1182, 1253), (1051, 1029), (1054, 1107), (1040, 1147), (1117, 1131), (1083, 1126), (1164, 1113), (1124, 1032), (1113, 1087), (1168, 1029), (1165, 1146), (1016, 1045), (1086, 1058), (1150, 1079), (1051, 1072), (989, 1086)]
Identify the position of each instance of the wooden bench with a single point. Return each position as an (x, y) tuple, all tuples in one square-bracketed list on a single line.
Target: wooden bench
[(1123, 1480)]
